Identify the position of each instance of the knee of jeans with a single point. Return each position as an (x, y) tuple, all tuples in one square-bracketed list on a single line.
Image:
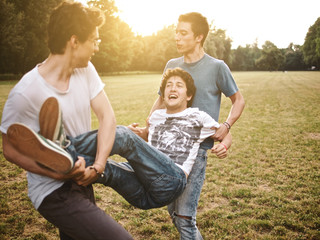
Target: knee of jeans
[(121, 129), (124, 133), (183, 221), (122, 139)]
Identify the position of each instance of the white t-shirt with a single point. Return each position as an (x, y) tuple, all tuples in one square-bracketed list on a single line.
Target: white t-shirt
[(179, 135), (25, 101)]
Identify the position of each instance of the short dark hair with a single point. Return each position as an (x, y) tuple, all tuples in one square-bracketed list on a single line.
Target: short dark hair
[(185, 76), (199, 24), (72, 18)]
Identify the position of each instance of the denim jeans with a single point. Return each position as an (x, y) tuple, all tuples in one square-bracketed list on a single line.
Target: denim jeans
[(186, 204), (149, 179)]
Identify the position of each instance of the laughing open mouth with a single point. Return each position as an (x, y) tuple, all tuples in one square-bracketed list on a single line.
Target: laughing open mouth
[(173, 96)]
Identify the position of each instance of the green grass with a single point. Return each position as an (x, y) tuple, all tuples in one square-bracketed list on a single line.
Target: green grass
[(267, 188)]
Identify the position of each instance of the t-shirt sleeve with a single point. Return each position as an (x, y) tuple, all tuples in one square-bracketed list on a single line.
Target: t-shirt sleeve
[(95, 83), (208, 123), (16, 111), (226, 82)]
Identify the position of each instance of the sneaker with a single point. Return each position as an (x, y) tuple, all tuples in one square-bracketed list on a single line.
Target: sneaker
[(40, 149), (50, 121)]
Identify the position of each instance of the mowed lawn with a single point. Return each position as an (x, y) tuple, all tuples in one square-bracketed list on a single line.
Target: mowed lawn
[(267, 188)]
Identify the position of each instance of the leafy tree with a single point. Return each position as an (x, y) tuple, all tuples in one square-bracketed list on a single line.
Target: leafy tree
[(161, 48), (311, 46), (11, 41), (37, 14), (238, 59), (139, 61), (218, 44), (272, 59), (294, 58), (167, 36), (23, 41), (24, 33), (152, 50), (244, 58), (155, 50), (116, 48)]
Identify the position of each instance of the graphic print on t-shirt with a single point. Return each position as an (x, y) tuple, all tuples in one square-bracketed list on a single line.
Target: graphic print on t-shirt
[(176, 137)]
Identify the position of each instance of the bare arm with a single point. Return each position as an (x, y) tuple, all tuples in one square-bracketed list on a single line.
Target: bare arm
[(13, 156), (106, 135), (221, 149), (237, 107)]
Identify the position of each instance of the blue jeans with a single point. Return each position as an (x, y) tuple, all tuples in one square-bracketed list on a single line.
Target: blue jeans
[(186, 204), (149, 179)]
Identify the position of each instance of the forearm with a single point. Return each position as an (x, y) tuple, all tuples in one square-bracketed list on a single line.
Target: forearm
[(221, 149), (227, 140), (105, 138), (235, 112), (145, 133), (237, 107), (106, 131)]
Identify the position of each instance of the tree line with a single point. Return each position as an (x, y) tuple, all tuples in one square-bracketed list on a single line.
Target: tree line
[(23, 43)]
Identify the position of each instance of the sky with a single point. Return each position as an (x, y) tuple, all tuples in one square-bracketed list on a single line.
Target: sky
[(245, 21)]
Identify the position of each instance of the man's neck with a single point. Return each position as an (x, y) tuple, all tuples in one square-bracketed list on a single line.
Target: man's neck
[(56, 71), (194, 56)]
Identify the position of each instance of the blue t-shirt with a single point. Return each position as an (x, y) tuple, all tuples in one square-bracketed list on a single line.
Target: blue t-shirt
[(211, 77)]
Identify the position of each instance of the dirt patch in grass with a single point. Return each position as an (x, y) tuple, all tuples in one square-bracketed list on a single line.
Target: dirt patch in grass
[(313, 136)]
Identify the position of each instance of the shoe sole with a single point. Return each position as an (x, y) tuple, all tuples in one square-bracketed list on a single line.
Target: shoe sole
[(50, 119), (41, 150)]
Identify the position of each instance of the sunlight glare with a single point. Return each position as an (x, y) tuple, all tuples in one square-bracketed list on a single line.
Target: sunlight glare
[(245, 21)]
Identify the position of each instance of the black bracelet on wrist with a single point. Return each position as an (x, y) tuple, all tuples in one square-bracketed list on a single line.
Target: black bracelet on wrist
[(101, 174), (227, 125)]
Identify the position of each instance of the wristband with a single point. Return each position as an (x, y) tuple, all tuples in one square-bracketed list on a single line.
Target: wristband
[(101, 174), (224, 146), (227, 125)]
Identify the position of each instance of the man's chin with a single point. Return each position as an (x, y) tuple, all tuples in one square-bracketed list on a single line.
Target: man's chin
[(180, 50)]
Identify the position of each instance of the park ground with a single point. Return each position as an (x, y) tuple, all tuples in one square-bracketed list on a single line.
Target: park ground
[(267, 188)]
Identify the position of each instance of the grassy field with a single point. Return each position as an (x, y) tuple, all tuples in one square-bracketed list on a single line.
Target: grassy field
[(268, 187)]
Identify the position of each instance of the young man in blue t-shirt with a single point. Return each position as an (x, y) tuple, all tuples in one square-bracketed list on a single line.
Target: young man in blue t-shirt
[(212, 77)]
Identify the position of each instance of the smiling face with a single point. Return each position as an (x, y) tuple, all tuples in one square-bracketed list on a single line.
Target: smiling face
[(175, 95)]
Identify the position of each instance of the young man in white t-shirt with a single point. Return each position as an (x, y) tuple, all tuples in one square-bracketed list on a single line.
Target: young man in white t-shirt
[(67, 75)]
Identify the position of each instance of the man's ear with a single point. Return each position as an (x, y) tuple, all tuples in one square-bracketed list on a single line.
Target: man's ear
[(199, 38), (74, 41)]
